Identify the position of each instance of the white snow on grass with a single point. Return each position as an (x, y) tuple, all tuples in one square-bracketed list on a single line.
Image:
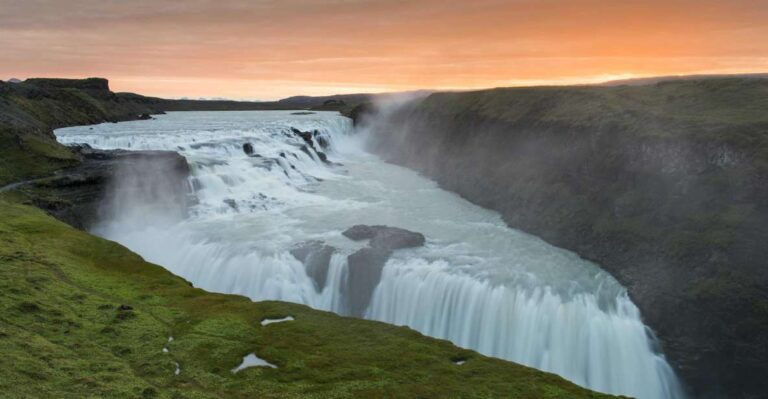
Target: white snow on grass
[(266, 322), (251, 360)]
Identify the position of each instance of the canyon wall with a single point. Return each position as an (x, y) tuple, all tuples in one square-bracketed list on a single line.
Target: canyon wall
[(664, 185)]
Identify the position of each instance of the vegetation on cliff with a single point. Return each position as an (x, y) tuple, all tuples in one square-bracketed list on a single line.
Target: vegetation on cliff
[(664, 185), (29, 111)]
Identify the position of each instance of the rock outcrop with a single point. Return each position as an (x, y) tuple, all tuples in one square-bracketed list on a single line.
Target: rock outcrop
[(385, 237), (30, 110), (248, 149), (80, 196), (70, 182), (366, 264), (316, 257), (310, 138)]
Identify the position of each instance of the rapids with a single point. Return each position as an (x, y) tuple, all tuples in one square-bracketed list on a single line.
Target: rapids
[(476, 282)]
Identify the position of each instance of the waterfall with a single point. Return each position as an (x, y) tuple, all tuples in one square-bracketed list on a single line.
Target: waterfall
[(607, 350), (259, 189)]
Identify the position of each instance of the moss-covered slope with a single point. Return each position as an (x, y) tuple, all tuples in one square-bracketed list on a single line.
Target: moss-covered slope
[(84, 317), (29, 112)]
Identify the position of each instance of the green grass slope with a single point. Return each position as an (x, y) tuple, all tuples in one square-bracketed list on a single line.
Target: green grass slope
[(84, 317)]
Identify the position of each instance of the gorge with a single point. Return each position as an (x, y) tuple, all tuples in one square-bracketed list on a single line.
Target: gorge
[(475, 282), (662, 184), (86, 317), (639, 256)]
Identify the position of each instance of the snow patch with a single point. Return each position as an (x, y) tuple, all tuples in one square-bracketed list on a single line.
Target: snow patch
[(266, 322), (251, 360)]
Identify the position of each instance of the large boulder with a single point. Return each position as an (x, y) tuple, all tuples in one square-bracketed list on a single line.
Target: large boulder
[(385, 237), (321, 140), (365, 265), (248, 149), (316, 257), (306, 136), (365, 268)]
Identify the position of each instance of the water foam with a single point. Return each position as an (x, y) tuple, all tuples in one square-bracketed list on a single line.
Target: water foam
[(476, 282)]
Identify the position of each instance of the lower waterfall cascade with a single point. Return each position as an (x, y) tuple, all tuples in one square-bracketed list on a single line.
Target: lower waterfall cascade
[(257, 189)]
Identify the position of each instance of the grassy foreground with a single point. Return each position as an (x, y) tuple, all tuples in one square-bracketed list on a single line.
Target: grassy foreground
[(84, 317)]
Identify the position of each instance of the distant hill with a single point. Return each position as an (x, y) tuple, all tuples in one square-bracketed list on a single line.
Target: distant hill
[(657, 79), (309, 102)]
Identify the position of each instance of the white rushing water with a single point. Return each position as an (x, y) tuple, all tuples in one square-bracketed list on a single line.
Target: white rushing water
[(476, 282)]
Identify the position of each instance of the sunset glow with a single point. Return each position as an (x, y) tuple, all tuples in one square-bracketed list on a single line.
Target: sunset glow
[(270, 49)]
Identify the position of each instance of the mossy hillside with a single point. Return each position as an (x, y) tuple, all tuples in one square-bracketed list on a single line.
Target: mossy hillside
[(84, 317), (691, 108), (25, 154), (29, 112)]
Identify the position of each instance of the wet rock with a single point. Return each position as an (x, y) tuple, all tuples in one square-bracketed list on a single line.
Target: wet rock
[(144, 117), (365, 265), (248, 149), (305, 150), (364, 269), (321, 141), (385, 237), (360, 232), (320, 154), (232, 203), (306, 136), (316, 257)]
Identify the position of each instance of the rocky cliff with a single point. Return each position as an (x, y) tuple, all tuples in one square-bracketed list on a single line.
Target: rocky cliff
[(30, 110), (664, 185), (70, 182)]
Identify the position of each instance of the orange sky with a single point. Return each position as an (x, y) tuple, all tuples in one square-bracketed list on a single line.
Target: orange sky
[(266, 49)]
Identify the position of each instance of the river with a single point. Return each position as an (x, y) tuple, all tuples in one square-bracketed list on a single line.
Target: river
[(476, 282)]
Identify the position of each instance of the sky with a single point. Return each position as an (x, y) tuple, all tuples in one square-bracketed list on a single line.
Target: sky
[(269, 49)]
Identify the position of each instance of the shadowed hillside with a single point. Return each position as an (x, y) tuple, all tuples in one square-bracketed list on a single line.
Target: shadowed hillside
[(664, 185)]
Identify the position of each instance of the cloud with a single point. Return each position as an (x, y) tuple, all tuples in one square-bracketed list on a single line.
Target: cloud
[(374, 43)]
